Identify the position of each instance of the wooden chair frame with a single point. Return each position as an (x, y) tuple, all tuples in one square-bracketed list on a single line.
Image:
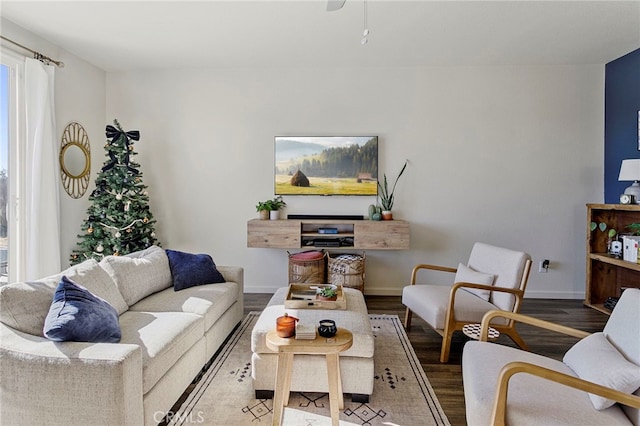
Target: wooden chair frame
[(499, 412), (452, 325)]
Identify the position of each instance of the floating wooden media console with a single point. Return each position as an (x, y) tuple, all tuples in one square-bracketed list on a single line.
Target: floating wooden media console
[(328, 233)]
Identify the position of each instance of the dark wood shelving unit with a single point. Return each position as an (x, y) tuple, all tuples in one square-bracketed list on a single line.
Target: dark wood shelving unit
[(606, 274)]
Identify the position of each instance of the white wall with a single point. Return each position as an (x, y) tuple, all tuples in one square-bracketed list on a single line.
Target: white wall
[(504, 155), (80, 97)]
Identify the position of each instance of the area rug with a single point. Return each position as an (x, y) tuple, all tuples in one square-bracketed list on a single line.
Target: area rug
[(402, 394)]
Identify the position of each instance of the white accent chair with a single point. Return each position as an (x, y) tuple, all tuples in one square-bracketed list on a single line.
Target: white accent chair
[(494, 278), (596, 383)]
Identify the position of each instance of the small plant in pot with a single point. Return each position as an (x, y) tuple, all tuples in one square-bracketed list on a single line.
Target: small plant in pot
[(327, 293), (263, 209), (269, 209), (386, 196)]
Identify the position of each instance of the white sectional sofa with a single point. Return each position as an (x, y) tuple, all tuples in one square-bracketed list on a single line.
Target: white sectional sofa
[(167, 338)]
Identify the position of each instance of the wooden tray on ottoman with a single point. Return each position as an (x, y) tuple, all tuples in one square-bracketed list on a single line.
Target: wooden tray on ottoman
[(293, 302)]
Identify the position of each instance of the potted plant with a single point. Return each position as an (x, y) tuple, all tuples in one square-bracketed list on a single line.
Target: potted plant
[(263, 209), (274, 206), (386, 196), (327, 293)]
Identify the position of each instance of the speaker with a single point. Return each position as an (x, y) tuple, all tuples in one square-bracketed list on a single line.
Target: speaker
[(325, 216)]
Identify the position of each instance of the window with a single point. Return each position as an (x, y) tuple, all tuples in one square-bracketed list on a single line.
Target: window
[(4, 169), (11, 117)]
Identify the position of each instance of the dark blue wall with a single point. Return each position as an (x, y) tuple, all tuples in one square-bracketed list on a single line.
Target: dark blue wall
[(621, 106)]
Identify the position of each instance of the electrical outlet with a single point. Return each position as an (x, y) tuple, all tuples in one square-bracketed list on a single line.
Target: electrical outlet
[(543, 267)]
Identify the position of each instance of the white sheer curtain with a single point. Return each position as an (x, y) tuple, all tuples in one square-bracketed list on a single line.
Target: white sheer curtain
[(42, 205)]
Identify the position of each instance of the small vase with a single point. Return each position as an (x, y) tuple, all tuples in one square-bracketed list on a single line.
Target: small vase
[(387, 215), (327, 328), (274, 214), (263, 214)]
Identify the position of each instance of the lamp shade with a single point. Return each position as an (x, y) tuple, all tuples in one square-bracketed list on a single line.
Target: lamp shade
[(630, 170)]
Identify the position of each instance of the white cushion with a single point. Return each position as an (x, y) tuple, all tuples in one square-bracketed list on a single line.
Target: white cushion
[(469, 275), (26, 305), (623, 327), (209, 301), (595, 360), (430, 302), (139, 274), (507, 265), (90, 275), (164, 338)]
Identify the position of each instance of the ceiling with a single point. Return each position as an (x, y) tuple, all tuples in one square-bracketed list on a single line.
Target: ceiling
[(130, 35)]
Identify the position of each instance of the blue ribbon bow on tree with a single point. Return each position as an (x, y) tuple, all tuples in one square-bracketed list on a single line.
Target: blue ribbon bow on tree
[(114, 134)]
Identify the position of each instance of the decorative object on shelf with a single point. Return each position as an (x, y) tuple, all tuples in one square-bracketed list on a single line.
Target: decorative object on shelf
[(327, 293), (274, 207), (75, 160), (613, 249), (270, 209), (375, 212), (119, 220), (327, 328), (630, 171), (263, 209), (386, 196), (627, 199)]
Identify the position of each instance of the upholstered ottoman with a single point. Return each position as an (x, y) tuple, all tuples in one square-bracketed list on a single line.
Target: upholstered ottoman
[(309, 373)]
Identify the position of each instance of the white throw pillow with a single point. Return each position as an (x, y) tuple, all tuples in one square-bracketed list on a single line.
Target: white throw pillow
[(468, 275), (596, 360)]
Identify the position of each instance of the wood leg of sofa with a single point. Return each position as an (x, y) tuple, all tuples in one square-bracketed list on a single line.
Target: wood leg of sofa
[(446, 345), (407, 319)]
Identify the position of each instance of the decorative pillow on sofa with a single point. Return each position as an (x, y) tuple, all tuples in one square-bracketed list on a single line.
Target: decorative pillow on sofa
[(469, 275), (94, 278), (190, 270), (78, 315), (25, 305), (140, 273), (596, 360)]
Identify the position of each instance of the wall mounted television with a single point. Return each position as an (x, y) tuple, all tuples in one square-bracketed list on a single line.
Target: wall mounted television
[(326, 165)]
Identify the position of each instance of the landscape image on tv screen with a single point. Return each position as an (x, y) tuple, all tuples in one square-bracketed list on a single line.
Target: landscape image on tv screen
[(332, 165)]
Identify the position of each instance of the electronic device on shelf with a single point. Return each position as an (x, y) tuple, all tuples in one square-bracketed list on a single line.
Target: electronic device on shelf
[(325, 216), (327, 230), (326, 242)]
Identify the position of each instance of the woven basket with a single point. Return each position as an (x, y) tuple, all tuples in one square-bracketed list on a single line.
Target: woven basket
[(307, 267), (347, 270)]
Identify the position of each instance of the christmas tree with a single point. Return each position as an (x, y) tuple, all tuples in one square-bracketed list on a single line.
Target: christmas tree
[(119, 220)]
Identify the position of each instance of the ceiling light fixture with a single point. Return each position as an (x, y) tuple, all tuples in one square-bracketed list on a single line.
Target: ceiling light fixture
[(365, 31)]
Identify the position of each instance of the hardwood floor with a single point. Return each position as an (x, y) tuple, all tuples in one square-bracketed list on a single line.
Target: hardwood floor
[(446, 379)]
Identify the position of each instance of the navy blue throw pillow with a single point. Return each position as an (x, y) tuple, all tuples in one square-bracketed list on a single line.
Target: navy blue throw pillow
[(189, 270), (78, 315)]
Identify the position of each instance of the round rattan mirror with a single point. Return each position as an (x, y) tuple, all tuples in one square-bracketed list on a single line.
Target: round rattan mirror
[(75, 160)]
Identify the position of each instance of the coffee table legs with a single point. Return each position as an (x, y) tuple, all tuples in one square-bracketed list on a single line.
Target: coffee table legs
[(283, 385), (336, 401)]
